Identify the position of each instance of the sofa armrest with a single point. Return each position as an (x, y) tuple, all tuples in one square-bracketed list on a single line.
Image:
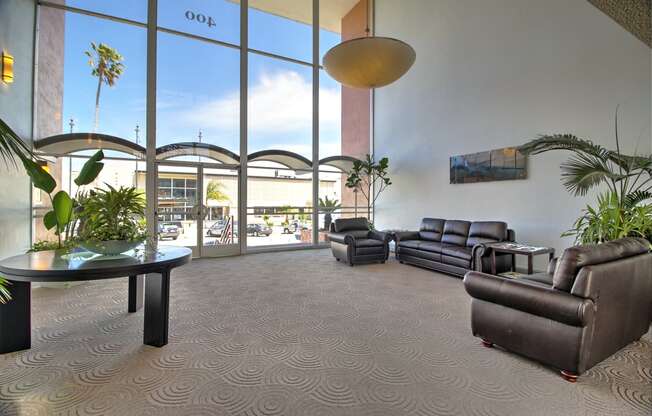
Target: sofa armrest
[(379, 235), (530, 298), (342, 238), (406, 235), (477, 252), (552, 265)]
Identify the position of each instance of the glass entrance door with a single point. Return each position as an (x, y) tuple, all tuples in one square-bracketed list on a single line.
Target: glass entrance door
[(198, 208), (219, 200)]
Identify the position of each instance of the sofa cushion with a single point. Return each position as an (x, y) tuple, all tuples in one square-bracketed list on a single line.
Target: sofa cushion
[(481, 232), (457, 251), (427, 255), (431, 246), (350, 224), (431, 229), (456, 261), (413, 244), (455, 232), (574, 258)]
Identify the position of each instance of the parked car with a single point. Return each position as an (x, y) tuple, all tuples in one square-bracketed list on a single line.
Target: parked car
[(216, 229), (168, 230), (259, 229)]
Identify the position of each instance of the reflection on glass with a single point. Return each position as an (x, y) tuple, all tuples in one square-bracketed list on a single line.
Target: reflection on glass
[(215, 19), (282, 28), (198, 93)]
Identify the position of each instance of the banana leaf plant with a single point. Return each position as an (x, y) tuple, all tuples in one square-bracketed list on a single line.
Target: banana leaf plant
[(62, 217)]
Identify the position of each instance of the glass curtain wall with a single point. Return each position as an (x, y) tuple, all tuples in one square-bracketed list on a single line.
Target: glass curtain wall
[(76, 96), (199, 147)]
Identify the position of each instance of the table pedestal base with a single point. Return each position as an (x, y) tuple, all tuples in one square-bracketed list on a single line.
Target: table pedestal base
[(16, 319)]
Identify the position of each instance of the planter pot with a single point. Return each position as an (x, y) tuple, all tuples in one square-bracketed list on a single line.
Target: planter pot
[(109, 247)]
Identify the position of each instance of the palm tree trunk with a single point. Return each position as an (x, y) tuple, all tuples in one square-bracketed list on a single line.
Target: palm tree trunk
[(97, 101)]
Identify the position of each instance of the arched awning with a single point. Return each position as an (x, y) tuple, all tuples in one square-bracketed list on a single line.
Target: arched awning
[(62, 144), (290, 160), (197, 149), (76, 142), (343, 163)]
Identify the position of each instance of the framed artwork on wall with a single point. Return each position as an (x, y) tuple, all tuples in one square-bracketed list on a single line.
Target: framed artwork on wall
[(494, 165)]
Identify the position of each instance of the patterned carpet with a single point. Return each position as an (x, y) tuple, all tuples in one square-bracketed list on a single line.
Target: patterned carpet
[(295, 333)]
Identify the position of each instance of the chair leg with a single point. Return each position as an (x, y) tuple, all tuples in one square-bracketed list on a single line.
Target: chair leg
[(569, 376), (487, 344)]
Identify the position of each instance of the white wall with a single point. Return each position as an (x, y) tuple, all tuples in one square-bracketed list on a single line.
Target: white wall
[(491, 74), (17, 38)]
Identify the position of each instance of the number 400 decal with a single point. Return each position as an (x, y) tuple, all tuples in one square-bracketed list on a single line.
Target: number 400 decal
[(200, 18)]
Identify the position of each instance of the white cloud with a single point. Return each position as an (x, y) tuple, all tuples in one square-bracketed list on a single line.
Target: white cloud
[(279, 103)]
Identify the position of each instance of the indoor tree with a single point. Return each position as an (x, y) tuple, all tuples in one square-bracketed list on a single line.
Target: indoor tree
[(624, 208), (369, 178), (107, 66)]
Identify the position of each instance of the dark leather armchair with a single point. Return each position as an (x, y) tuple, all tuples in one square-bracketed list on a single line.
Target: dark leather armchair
[(592, 301), (353, 242)]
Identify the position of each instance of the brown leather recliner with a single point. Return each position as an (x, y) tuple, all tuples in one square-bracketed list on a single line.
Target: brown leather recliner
[(353, 242), (593, 301)]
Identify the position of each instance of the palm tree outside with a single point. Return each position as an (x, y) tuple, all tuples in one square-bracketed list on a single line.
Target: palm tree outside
[(328, 206), (215, 191), (107, 66)]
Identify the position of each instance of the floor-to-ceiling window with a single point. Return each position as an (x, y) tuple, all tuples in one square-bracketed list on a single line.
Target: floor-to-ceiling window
[(297, 127), (280, 120)]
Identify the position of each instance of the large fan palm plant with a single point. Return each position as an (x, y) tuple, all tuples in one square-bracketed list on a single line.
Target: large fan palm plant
[(628, 180), (11, 147)]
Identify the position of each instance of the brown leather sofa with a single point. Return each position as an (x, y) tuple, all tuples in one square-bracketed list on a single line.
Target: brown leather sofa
[(453, 246), (592, 301), (353, 242)]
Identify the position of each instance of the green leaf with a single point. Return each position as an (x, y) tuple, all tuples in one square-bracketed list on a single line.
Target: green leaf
[(62, 204), (5, 296), (91, 169), (40, 178), (50, 220)]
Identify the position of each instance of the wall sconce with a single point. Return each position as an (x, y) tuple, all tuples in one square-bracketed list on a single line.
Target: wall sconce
[(7, 68)]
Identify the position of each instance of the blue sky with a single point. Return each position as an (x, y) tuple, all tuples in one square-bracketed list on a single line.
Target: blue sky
[(198, 82)]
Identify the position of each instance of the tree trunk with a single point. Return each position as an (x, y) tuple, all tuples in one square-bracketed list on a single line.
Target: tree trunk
[(97, 101)]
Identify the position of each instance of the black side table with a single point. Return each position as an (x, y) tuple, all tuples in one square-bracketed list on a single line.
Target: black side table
[(61, 266), (522, 249)]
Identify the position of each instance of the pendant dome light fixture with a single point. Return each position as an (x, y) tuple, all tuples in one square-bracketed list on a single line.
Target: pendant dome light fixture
[(369, 62)]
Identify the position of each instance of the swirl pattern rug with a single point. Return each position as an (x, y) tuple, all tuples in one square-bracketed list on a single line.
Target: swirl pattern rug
[(296, 333)]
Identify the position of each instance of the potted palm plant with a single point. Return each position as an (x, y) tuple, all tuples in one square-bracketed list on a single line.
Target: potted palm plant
[(112, 221), (624, 208)]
